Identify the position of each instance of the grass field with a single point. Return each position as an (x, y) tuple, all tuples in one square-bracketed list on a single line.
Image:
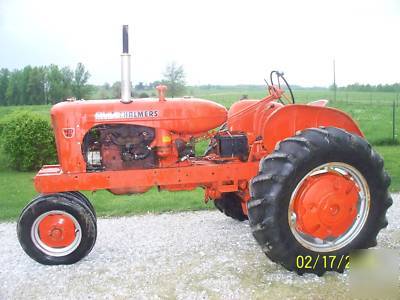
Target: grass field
[(372, 111), (373, 115)]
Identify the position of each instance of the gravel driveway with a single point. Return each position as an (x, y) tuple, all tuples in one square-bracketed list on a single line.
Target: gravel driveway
[(178, 255)]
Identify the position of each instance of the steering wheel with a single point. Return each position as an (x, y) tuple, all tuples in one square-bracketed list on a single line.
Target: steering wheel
[(279, 76)]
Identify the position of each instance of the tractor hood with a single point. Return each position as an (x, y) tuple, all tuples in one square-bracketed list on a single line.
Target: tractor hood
[(179, 115)]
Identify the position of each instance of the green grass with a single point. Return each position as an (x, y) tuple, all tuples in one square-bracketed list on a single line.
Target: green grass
[(372, 112), (391, 156), (43, 110), (375, 121), (16, 189)]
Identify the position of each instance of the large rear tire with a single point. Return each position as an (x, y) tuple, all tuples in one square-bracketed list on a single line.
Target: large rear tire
[(57, 229), (231, 205), (317, 197)]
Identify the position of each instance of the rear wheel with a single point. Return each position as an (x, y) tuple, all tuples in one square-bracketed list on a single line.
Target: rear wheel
[(57, 229), (231, 205), (319, 196)]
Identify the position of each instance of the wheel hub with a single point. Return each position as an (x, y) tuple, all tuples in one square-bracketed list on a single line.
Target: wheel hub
[(57, 230), (326, 205)]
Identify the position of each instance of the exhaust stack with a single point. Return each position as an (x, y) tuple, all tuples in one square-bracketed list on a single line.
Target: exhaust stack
[(125, 68)]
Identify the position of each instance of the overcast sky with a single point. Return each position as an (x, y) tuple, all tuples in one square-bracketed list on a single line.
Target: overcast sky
[(217, 42)]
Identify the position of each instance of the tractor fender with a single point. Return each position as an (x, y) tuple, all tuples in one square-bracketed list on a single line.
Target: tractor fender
[(287, 120)]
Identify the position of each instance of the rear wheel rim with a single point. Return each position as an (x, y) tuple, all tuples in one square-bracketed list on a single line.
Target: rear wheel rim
[(299, 208), (56, 233)]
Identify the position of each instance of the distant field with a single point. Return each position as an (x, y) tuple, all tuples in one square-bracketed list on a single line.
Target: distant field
[(372, 112)]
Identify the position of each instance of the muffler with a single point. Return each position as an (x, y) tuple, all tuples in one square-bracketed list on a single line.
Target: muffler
[(125, 68)]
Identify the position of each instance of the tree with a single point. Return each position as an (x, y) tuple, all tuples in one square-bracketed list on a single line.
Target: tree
[(81, 76), (13, 92), (140, 86), (174, 78), (333, 87), (106, 86), (59, 82), (4, 78), (44, 84), (55, 84), (67, 76), (154, 84), (102, 91), (24, 97), (35, 87), (116, 90)]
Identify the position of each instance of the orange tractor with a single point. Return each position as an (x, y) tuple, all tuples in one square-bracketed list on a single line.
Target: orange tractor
[(303, 175)]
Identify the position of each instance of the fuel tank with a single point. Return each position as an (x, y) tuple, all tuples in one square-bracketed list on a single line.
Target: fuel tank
[(179, 115)]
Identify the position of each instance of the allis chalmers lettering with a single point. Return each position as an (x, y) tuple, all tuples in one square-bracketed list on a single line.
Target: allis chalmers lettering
[(126, 115)]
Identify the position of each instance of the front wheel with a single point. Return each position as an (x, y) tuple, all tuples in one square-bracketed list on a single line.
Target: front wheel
[(231, 205), (320, 195), (57, 229)]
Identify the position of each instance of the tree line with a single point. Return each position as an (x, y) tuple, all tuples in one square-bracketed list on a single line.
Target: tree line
[(52, 84), (356, 87), (43, 85)]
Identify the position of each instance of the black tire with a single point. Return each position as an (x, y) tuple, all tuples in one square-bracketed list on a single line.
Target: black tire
[(280, 173), (69, 204), (230, 205), (84, 200)]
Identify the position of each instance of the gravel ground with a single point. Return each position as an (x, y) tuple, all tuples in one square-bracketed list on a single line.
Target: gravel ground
[(195, 255)]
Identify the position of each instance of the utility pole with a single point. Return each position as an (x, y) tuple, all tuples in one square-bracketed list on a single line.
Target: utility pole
[(394, 123), (334, 80)]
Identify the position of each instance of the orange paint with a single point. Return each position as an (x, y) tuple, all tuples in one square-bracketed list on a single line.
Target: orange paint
[(57, 230), (326, 205), (287, 120), (224, 177), (265, 122), (185, 116)]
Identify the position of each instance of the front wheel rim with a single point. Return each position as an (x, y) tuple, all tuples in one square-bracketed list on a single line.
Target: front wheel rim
[(56, 233), (330, 233)]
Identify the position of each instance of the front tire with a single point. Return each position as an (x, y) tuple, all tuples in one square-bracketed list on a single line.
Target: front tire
[(57, 229), (85, 200), (321, 194), (230, 204)]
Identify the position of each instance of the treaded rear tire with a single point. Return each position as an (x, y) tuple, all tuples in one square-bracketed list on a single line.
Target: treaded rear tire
[(230, 205), (281, 171)]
